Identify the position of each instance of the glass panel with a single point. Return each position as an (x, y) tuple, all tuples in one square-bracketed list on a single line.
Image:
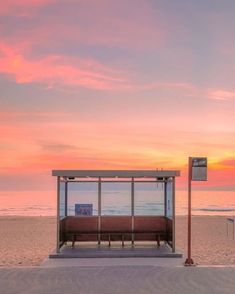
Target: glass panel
[(62, 200), (116, 198), (169, 199), (149, 198), (83, 197)]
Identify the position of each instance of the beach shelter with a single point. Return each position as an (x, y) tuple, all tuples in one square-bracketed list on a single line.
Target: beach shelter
[(107, 206)]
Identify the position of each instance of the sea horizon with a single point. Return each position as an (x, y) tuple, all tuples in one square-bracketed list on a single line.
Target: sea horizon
[(43, 203)]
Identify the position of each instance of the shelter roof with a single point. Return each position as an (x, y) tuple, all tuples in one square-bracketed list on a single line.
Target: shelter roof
[(116, 173)]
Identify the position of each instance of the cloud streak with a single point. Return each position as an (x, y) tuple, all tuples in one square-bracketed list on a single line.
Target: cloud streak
[(21, 7), (55, 70), (228, 162), (223, 95)]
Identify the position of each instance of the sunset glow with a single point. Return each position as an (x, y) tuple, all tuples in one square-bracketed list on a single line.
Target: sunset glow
[(115, 85)]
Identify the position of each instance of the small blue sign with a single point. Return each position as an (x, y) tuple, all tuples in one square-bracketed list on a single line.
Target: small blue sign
[(83, 209)]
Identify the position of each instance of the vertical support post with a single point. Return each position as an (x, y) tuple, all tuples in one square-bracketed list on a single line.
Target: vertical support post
[(66, 199), (189, 261), (233, 230), (132, 208), (58, 217), (165, 197), (99, 209), (173, 214)]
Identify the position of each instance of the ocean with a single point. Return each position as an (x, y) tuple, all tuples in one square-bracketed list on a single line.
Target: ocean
[(43, 203)]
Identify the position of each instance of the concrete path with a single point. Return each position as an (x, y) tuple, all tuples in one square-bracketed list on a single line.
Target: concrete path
[(116, 251), (117, 280), (68, 262)]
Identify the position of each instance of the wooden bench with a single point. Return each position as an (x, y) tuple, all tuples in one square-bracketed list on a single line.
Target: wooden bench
[(81, 228), (150, 228), (115, 228)]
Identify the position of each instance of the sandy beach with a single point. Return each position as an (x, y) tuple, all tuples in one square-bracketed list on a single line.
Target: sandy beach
[(27, 241)]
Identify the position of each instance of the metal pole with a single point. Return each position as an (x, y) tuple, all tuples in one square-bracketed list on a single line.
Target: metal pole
[(66, 199), (233, 230), (99, 210), (165, 198), (189, 260), (132, 208), (173, 215), (58, 217)]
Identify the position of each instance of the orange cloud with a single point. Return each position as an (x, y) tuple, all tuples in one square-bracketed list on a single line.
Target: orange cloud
[(227, 164), (64, 141)]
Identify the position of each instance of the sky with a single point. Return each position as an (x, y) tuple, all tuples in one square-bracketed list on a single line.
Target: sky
[(129, 84)]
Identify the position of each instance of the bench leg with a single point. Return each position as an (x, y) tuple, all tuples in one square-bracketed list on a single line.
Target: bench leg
[(109, 241), (99, 237), (122, 240), (158, 240), (73, 241), (132, 239)]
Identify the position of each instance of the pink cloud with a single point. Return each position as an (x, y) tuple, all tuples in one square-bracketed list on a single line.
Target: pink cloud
[(100, 22), (55, 70), (224, 95), (168, 85), (21, 7), (60, 70), (117, 24)]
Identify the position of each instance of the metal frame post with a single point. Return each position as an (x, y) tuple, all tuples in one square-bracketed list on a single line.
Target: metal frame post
[(173, 214), (66, 199), (132, 208), (58, 217), (99, 209), (165, 198)]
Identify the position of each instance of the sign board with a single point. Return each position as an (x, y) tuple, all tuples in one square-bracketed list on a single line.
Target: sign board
[(199, 168), (83, 209)]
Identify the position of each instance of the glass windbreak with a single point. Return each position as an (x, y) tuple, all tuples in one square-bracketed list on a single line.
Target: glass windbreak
[(62, 200), (169, 199), (82, 199), (149, 198), (116, 198)]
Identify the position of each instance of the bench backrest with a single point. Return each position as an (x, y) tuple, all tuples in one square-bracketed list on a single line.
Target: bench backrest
[(144, 226), (116, 223), (87, 224), (149, 223)]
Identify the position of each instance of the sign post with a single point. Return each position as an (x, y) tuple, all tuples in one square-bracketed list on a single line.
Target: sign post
[(197, 171)]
